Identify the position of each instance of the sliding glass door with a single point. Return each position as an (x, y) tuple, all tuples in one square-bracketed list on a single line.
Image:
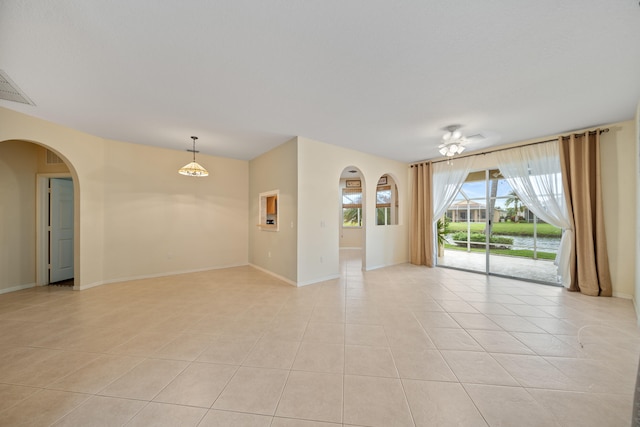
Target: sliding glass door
[(489, 230)]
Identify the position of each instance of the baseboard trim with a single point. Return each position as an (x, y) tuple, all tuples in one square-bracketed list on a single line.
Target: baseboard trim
[(621, 295), (83, 287), (17, 288), (293, 283), (271, 273)]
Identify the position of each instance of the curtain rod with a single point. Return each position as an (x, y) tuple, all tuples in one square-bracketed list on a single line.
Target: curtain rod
[(590, 132)]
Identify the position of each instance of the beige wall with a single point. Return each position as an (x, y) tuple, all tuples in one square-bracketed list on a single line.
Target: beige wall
[(135, 216), (618, 154), (18, 168), (351, 237), (275, 251), (319, 213)]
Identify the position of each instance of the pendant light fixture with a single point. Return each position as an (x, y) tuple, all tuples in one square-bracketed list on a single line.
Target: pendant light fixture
[(193, 168)]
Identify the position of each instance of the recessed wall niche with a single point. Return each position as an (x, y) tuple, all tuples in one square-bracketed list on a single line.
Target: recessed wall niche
[(269, 218)]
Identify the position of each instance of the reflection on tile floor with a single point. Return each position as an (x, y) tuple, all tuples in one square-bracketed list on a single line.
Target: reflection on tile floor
[(398, 346), (540, 270)]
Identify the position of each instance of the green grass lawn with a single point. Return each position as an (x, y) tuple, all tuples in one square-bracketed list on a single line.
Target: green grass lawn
[(509, 228), (524, 253)]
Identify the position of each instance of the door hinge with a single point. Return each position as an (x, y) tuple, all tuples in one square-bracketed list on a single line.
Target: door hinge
[(49, 266)]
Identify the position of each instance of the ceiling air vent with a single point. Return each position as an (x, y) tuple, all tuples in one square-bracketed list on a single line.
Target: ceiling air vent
[(10, 91), (53, 159), (476, 137)]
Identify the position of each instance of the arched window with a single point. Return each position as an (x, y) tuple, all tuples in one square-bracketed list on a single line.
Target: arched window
[(386, 201)]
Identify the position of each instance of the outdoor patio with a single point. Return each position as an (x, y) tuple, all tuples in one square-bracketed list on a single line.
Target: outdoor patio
[(523, 268)]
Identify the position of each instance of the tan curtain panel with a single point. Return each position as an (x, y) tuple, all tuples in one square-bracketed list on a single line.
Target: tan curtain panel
[(580, 162), (421, 216)]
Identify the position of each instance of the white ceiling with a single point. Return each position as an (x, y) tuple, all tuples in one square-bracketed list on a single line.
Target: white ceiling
[(379, 76)]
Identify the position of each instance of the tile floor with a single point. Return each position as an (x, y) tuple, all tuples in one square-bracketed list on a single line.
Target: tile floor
[(399, 346)]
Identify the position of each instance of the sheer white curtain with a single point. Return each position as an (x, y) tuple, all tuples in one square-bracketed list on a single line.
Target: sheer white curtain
[(535, 175), (447, 180)]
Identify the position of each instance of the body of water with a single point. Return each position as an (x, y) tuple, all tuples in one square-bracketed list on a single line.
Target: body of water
[(543, 244)]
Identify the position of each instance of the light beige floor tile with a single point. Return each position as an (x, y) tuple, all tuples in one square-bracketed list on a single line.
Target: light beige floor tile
[(19, 359), (536, 372), (269, 353), (216, 418), (42, 408), (373, 335), (586, 409), (514, 323), (97, 374), (286, 331), (509, 406), (293, 422), (372, 401), (227, 349), (478, 368), (488, 308), (145, 380), (162, 414), (422, 365), (526, 310), (102, 411), (554, 326), (475, 321), (436, 404), (185, 347), (199, 384), (144, 344), (47, 371), (238, 306), (408, 339), (12, 394), (499, 342), (332, 333), (253, 390), (312, 396), (547, 345), (327, 314), (366, 360), (453, 306), (453, 339), (594, 376), (363, 316), (320, 357), (435, 319)]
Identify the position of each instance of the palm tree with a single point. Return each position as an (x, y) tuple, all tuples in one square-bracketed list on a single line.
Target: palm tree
[(513, 198)]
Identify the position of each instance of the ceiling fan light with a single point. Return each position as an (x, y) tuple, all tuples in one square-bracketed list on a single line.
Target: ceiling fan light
[(446, 136), (456, 134)]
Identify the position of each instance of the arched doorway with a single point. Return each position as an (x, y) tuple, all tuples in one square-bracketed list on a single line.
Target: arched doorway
[(27, 168)]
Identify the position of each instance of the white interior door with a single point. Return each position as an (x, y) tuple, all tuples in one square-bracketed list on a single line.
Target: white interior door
[(61, 231)]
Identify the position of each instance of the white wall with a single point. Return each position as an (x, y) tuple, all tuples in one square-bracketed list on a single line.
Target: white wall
[(637, 179), (275, 251), (319, 169), (135, 216)]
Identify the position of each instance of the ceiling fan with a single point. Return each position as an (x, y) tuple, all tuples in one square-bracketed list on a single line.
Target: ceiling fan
[(453, 142)]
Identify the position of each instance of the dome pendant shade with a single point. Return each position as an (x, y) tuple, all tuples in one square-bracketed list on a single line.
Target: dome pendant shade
[(193, 168)]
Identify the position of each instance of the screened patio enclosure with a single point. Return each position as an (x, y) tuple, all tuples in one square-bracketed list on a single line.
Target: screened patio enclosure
[(487, 229)]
